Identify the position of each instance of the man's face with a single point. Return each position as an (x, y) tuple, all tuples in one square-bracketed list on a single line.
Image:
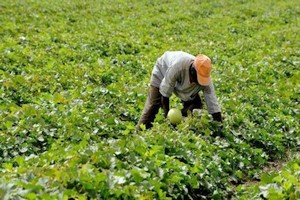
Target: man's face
[(193, 74)]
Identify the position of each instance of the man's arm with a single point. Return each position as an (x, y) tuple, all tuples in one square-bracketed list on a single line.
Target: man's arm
[(165, 101), (167, 87), (212, 102)]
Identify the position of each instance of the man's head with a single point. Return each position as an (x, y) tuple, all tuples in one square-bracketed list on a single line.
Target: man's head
[(203, 67)]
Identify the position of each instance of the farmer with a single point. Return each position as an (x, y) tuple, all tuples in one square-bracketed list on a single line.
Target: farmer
[(185, 75)]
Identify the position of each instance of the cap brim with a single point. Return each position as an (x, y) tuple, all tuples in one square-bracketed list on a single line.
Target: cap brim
[(205, 81)]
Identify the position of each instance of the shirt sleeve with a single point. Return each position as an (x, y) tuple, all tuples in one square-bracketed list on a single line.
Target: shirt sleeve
[(168, 83), (211, 99)]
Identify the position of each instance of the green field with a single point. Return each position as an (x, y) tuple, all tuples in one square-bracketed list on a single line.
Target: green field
[(74, 77)]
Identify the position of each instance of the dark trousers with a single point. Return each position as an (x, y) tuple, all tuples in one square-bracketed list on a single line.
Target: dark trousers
[(153, 103)]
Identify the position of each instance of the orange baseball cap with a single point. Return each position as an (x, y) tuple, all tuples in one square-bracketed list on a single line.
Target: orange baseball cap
[(203, 68)]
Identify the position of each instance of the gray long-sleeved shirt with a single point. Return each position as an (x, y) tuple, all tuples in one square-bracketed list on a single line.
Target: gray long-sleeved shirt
[(171, 74)]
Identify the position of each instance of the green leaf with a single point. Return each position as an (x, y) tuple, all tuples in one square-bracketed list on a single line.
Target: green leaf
[(30, 196), (268, 178)]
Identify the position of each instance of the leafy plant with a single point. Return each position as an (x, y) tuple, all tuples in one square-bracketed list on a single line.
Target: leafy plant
[(283, 184)]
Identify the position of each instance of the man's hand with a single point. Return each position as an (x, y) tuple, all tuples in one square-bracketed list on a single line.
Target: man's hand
[(165, 104), (218, 127), (217, 116)]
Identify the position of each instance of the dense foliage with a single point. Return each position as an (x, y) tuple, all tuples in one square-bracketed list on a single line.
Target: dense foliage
[(284, 184), (74, 79)]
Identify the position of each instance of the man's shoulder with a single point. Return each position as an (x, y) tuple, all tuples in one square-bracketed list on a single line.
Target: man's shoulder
[(177, 57), (178, 53)]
